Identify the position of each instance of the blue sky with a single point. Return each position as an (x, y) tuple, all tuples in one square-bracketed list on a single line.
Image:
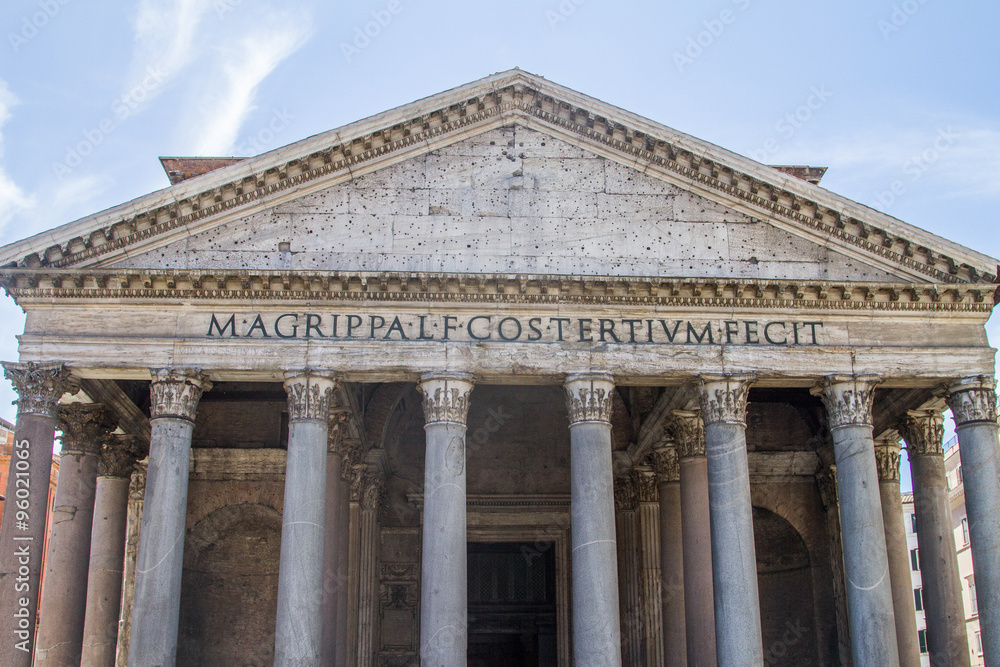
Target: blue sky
[(884, 92)]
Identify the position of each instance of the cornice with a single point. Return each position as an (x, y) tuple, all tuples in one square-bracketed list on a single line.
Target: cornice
[(279, 286), (499, 100)]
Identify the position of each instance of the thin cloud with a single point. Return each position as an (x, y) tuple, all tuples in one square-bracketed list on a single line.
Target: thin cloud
[(244, 64), (165, 32), (13, 200)]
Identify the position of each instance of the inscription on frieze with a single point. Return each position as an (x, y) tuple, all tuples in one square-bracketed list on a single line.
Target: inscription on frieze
[(388, 326)]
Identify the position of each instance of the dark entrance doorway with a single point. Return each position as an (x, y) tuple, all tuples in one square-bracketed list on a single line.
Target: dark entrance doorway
[(512, 605)]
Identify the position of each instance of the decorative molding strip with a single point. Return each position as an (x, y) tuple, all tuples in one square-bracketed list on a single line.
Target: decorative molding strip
[(923, 431), (973, 399), (491, 288), (175, 392), (516, 99), (848, 399), (559, 501), (39, 386), (589, 397)]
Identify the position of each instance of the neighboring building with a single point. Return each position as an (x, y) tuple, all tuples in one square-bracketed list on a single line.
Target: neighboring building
[(365, 360), (953, 466), (6, 435)]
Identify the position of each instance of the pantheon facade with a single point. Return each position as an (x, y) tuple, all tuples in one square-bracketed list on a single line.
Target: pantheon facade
[(505, 376)]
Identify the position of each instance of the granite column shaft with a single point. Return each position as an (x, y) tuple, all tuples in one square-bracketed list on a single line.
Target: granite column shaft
[(973, 402), (596, 624), (22, 531), (734, 562), (299, 623), (107, 552), (444, 577), (157, 599), (64, 601), (897, 552), (848, 401)]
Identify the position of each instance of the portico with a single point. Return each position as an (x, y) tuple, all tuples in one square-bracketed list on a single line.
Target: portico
[(566, 407)]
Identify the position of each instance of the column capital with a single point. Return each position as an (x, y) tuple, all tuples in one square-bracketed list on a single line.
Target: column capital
[(350, 453), (373, 492), (310, 393), (175, 392), (848, 398), (38, 385), (666, 464), (887, 459), (626, 499), (689, 431), (118, 456), (644, 483), (446, 396), (337, 431), (589, 397), (973, 399), (85, 427), (923, 431), (724, 397)]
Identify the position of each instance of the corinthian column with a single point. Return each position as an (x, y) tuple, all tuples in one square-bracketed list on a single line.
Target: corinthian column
[(84, 428), (648, 514), (298, 635), (107, 551), (973, 402), (627, 542), (22, 531), (734, 559), (444, 578), (596, 625), (696, 539), (156, 604), (337, 520), (947, 640), (897, 551), (668, 472), (848, 401)]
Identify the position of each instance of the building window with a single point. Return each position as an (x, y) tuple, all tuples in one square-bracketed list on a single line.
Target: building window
[(973, 602), (913, 523), (914, 560), (979, 643), (922, 636), (965, 531), (918, 599)]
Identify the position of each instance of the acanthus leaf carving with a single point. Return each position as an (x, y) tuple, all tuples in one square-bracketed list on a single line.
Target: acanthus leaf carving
[(689, 432), (973, 399), (887, 460), (923, 431), (589, 397), (848, 399), (38, 385), (175, 392), (446, 397), (310, 394), (626, 498), (118, 456), (644, 483), (85, 427), (666, 464), (724, 397)]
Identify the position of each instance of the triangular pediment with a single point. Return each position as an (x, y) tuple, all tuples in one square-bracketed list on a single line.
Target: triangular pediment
[(508, 174)]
